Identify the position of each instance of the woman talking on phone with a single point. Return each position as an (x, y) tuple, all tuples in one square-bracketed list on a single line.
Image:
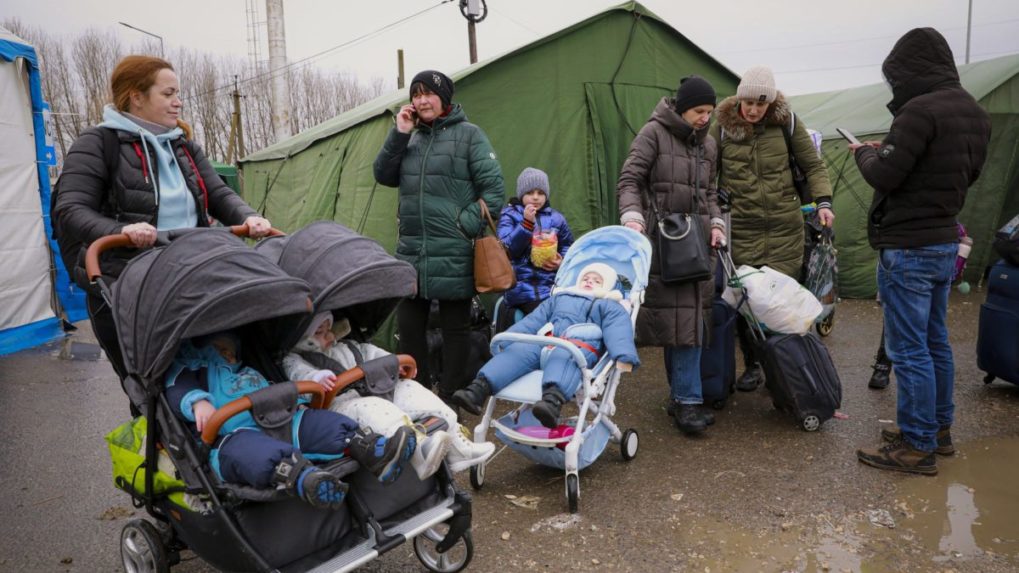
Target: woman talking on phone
[(442, 165)]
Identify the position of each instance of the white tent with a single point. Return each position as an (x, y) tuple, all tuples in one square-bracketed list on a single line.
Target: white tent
[(35, 292)]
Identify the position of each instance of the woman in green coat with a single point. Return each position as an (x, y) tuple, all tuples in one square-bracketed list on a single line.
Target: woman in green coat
[(442, 165), (752, 129)]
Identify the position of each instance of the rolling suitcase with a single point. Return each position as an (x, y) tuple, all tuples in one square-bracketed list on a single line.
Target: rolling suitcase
[(718, 356), (998, 331)]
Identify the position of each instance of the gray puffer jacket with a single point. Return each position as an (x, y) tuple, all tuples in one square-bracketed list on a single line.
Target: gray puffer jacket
[(675, 162), (89, 203)]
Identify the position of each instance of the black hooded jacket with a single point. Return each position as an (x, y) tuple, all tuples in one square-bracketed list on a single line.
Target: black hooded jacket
[(934, 149)]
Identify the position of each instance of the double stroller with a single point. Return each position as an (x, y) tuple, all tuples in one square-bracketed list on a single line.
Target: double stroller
[(202, 281), (579, 440)]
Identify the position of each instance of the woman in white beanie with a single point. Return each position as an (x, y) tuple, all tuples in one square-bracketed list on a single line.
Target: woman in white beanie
[(757, 132)]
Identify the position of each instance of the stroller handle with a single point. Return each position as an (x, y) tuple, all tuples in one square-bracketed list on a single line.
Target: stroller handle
[(122, 240), (408, 369), (243, 404)]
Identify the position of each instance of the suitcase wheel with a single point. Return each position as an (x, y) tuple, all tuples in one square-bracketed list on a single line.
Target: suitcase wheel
[(989, 378), (718, 404), (810, 423)]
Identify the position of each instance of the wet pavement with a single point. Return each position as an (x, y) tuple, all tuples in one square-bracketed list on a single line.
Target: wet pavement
[(755, 493)]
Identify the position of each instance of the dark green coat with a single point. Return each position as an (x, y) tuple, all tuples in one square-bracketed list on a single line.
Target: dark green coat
[(441, 170), (767, 224)]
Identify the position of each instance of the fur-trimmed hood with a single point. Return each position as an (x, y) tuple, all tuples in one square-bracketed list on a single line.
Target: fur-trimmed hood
[(665, 114), (738, 129)]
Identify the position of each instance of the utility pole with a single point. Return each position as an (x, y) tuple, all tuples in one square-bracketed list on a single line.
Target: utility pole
[(399, 66), (969, 28), (475, 11), (277, 69), (236, 139)]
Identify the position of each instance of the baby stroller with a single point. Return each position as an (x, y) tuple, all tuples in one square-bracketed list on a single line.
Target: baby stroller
[(199, 282), (581, 440), (353, 277), (820, 270)]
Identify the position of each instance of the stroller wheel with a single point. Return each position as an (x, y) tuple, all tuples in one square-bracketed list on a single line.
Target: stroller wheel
[(811, 423), (572, 491), (629, 444), (141, 548), (455, 559), (478, 476), (825, 327)]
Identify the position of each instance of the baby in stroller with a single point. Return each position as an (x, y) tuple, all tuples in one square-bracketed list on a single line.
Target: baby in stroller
[(206, 374), (590, 315), (326, 344)]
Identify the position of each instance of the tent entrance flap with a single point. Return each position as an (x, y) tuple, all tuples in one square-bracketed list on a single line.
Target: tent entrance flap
[(617, 113)]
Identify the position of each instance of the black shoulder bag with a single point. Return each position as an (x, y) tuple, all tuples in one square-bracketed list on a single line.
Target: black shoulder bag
[(680, 244)]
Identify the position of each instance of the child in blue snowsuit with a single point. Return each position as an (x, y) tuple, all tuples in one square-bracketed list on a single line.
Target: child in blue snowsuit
[(590, 316), (520, 218), (207, 374)]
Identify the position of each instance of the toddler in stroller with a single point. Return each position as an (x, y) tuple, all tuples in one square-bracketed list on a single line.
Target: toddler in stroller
[(589, 315), (328, 346), (207, 374), (621, 258)]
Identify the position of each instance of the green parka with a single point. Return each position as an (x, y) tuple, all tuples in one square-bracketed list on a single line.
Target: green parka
[(442, 170), (766, 224)]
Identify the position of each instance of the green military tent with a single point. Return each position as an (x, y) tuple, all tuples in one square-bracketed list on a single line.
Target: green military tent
[(991, 202), (567, 103), (228, 173)]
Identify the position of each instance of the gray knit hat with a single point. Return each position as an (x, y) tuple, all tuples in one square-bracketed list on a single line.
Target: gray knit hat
[(531, 179), (758, 84)]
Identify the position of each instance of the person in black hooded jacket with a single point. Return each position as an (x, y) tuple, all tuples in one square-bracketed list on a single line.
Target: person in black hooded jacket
[(920, 173)]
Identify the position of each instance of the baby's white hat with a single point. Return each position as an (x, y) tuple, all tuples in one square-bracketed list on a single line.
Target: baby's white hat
[(316, 321), (608, 275)]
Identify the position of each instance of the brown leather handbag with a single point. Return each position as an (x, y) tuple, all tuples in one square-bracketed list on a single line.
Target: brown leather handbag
[(492, 269)]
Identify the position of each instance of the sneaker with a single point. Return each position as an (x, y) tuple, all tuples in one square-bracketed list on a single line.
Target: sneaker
[(320, 488), (879, 379), (384, 456), (464, 452), (547, 409), (429, 454), (901, 457), (945, 447), (472, 397), (689, 419), (751, 378)]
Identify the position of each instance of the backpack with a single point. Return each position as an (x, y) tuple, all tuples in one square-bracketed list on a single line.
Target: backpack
[(1006, 241)]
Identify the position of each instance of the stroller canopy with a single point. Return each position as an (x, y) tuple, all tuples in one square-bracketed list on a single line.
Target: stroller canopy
[(625, 250), (345, 271), (203, 282)]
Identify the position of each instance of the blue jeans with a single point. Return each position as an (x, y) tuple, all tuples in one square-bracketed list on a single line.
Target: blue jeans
[(683, 370), (914, 286)]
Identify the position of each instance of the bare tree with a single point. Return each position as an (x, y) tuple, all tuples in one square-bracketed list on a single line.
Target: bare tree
[(94, 54)]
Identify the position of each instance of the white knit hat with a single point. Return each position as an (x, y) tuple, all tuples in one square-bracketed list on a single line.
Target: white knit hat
[(317, 321), (608, 274), (758, 84)]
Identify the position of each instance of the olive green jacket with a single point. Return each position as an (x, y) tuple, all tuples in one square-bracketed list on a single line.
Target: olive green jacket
[(766, 224), (442, 170)]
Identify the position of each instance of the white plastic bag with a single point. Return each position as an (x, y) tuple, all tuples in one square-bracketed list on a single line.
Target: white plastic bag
[(780, 304)]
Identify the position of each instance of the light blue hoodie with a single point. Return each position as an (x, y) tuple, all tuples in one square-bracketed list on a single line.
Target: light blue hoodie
[(176, 204)]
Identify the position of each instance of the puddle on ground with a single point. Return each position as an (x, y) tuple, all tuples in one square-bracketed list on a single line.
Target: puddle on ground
[(970, 510), (971, 507)]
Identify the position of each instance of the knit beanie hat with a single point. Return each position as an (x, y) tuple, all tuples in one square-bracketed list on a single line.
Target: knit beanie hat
[(608, 275), (531, 179), (316, 321), (758, 84), (437, 82), (694, 91)]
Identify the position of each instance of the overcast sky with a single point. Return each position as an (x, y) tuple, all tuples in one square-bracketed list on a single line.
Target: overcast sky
[(813, 45)]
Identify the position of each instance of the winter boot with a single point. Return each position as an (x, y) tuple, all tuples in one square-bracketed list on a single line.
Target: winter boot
[(751, 378), (430, 452), (547, 409), (465, 453), (689, 419), (472, 397), (707, 415), (384, 456), (879, 379), (901, 457), (314, 485), (945, 447)]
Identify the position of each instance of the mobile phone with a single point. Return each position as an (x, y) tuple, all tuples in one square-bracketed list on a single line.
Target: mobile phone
[(847, 135)]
